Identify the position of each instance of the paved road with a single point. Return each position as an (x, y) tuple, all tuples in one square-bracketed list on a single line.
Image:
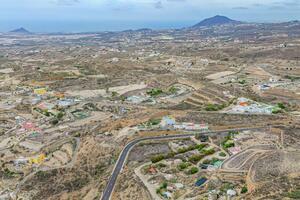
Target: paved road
[(106, 195)]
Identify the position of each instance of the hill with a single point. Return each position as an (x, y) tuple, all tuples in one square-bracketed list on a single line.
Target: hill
[(216, 20), (20, 31)]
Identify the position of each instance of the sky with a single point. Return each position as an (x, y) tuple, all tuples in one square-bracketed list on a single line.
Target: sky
[(116, 15)]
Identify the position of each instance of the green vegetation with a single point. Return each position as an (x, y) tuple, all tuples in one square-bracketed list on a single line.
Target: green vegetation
[(226, 186), (231, 134), (208, 151), (292, 78), (228, 144), (60, 115), (157, 158), (173, 90), (54, 122), (99, 169), (222, 154), (294, 194), (123, 98), (276, 111), (163, 186), (8, 174), (281, 105), (200, 146), (44, 112), (153, 122), (206, 161), (195, 158), (154, 92), (193, 170), (244, 189), (242, 82), (183, 165), (114, 94), (190, 148), (150, 123), (214, 107), (228, 141), (160, 165), (210, 162)]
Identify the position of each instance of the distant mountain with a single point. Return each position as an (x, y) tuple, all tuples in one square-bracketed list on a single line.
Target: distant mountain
[(20, 31), (216, 20)]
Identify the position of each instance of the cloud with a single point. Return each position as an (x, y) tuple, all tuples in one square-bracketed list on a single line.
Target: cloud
[(276, 7), (176, 0), (257, 5), (65, 2), (158, 5), (240, 8), (291, 3)]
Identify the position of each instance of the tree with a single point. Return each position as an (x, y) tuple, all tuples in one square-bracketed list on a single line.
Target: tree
[(244, 189), (60, 115), (114, 94), (281, 105), (193, 170)]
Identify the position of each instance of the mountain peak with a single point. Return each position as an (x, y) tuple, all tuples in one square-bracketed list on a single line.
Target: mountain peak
[(216, 20), (20, 31)]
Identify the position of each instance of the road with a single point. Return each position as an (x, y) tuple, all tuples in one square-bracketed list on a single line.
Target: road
[(106, 195)]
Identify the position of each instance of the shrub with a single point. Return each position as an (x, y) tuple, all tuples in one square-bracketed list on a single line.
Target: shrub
[(60, 115), (228, 144), (208, 151), (158, 191), (154, 122), (195, 158), (193, 170), (182, 150), (160, 165), (226, 186), (170, 155), (173, 90), (157, 158), (154, 92), (183, 165), (214, 107), (294, 194), (281, 105), (206, 161), (123, 98), (8, 174), (54, 122), (222, 154), (114, 94), (242, 82), (164, 185), (244, 189), (201, 146), (276, 111)]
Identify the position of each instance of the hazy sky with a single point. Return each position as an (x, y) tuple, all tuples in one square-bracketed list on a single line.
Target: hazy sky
[(99, 15)]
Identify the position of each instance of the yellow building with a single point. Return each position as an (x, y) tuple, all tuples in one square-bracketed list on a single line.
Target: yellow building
[(40, 91), (37, 160)]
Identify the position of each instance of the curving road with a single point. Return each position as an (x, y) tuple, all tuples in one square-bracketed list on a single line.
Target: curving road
[(106, 195)]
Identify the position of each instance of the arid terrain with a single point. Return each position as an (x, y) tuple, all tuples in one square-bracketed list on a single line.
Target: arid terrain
[(219, 107)]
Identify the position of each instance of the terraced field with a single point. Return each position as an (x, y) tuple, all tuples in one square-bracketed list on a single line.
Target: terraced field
[(207, 95)]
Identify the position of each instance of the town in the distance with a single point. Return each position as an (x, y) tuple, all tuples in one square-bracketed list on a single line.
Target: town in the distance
[(210, 111)]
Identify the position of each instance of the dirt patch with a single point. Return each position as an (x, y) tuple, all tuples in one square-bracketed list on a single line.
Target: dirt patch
[(144, 152)]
